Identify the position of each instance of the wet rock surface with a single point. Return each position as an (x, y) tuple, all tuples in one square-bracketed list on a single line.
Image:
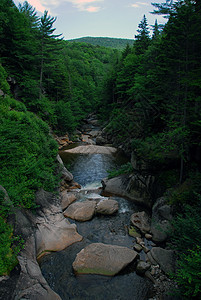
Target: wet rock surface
[(107, 207)]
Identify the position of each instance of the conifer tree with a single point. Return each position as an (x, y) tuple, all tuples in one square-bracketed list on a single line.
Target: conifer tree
[(142, 39), (49, 45), (156, 31)]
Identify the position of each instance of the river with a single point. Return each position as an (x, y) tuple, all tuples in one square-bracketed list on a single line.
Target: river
[(88, 170)]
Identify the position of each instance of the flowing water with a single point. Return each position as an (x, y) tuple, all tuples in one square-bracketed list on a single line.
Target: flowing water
[(88, 170)]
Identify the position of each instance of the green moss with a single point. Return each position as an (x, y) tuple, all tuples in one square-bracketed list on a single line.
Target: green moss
[(132, 232), (95, 271)]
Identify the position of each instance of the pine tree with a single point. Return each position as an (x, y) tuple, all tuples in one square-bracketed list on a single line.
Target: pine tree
[(49, 45), (142, 39), (156, 31)]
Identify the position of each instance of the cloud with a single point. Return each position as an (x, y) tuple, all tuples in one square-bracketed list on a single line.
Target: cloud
[(37, 5), (138, 4), (50, 5), (135, 5), (83, 5), (93, 9)]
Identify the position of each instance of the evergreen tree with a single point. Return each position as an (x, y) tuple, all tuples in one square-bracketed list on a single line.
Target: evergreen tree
[(49, 45), (142, 39), (156, 31)]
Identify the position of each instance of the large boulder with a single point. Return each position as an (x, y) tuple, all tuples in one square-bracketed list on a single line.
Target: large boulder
[(142, 221), (115, 186), (56, 236), (81, 211), (67, 199), (53, 231), (160, 230), (131, 187), (103, 259), (107, 207), (165, 258), (161, 220)]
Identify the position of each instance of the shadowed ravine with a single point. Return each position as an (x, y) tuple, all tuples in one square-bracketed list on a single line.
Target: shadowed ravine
[(88, 170)]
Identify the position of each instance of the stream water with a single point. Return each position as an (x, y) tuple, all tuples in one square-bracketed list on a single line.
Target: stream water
[(88, 170)]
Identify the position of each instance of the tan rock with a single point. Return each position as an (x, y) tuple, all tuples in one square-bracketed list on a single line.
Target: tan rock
[(141, 221), (92, 149), (107, 207), (81, 211), (138, 247), (103, 259), (55, 237), (67, 199), (148, 236)]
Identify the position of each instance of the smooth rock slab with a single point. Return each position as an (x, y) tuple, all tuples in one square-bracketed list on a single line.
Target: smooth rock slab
[(81, 211), (92, 149), (102, 259), (107, 207), (56, 237)]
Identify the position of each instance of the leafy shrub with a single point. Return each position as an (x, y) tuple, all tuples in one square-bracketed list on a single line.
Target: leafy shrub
[(65, 119), (188, 275), (186, 239), (124, 169), (27, 153), (4, 86), (9, 247), (187, 228), (162, 146)]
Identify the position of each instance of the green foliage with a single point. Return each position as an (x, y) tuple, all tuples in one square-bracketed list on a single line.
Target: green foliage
[(186, 193), (185, 238), (4, 86), (27, 154), (9, 247), (124, 169), (104, 42), (188, 275), (168, 178), (187, 228), (65, 119)]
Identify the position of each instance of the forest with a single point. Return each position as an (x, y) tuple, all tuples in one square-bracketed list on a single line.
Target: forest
[(148, 96), (114, 43)]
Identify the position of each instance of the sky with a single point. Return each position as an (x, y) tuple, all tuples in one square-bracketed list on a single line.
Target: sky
[(97, 18)]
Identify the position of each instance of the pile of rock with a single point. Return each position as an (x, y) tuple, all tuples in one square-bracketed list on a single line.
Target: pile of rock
[(157, 262), (63, 140), (85, 210)]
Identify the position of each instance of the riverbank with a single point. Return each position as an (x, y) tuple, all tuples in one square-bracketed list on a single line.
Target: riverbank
[(49, 231)]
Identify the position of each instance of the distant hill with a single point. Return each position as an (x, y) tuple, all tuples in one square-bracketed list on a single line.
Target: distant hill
[(115, 43)]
